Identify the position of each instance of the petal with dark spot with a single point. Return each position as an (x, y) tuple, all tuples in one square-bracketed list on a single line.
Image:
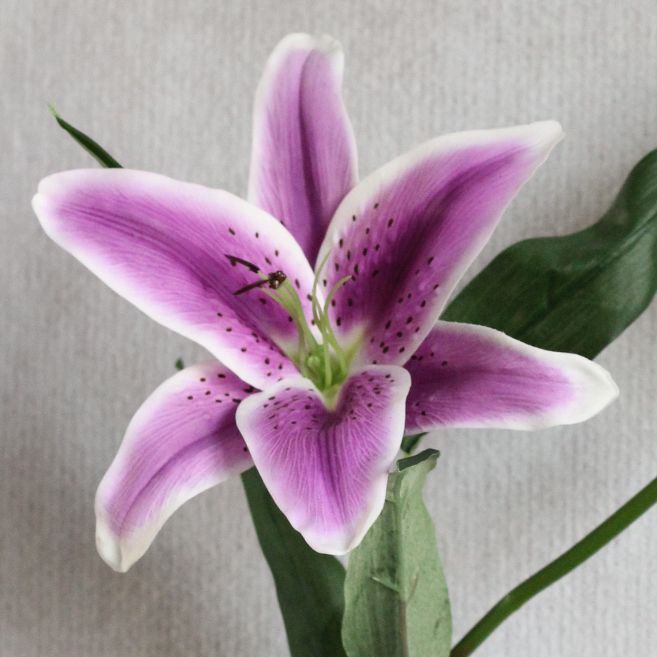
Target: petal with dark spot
[(418, 222), (327, 468), (182, 441), (472, 376)]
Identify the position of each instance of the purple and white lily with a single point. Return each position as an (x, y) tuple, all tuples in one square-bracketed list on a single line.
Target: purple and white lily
[(319, 373)]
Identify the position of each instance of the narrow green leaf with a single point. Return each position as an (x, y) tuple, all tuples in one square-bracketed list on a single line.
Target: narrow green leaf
[(309, 585), (95, 150), (396, 595), (579, 292)]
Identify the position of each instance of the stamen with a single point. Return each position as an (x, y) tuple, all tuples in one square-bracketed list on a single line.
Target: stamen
[(274, 279), (234, 260), (323, 362), (251, 286)]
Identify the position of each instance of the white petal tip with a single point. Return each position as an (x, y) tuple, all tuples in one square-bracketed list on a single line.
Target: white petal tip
[(39, 200), (593, 387), (345, 541), (336, 546), (111, 550), (40, 207), (550, 129), (303, 41), (594, 390), (546, 135), (351, 537), (603, 389)]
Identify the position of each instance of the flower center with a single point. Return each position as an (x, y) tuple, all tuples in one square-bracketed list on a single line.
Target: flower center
[(319, 358)]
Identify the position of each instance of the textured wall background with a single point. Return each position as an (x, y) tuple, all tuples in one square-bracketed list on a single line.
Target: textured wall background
[(168, 86)]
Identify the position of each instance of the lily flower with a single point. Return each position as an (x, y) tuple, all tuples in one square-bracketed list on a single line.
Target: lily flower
[(318, 373)]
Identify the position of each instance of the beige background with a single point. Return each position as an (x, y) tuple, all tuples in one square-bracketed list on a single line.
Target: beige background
[(167, 86)]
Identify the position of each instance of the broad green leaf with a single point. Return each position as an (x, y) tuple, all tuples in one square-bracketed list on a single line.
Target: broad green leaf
[(309, 585), (396, 595), (95, 150), (579, 292)]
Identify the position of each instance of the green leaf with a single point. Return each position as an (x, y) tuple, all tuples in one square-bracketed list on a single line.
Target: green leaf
[(95, 150), (579, 292), (180, 364), (396, 595), (309, 585)]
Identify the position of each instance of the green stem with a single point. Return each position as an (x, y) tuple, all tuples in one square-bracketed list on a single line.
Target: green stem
[(568, 561)]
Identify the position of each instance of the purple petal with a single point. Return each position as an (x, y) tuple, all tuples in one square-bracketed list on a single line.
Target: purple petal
[(304, 155), (182, 441), (407, 233), (327, 468), (472, 376), (161, 244)]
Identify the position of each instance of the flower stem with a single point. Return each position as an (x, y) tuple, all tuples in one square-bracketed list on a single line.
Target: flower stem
[(568, 561)]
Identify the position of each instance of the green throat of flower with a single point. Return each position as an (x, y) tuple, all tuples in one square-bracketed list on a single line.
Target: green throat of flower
[(319, 358)]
